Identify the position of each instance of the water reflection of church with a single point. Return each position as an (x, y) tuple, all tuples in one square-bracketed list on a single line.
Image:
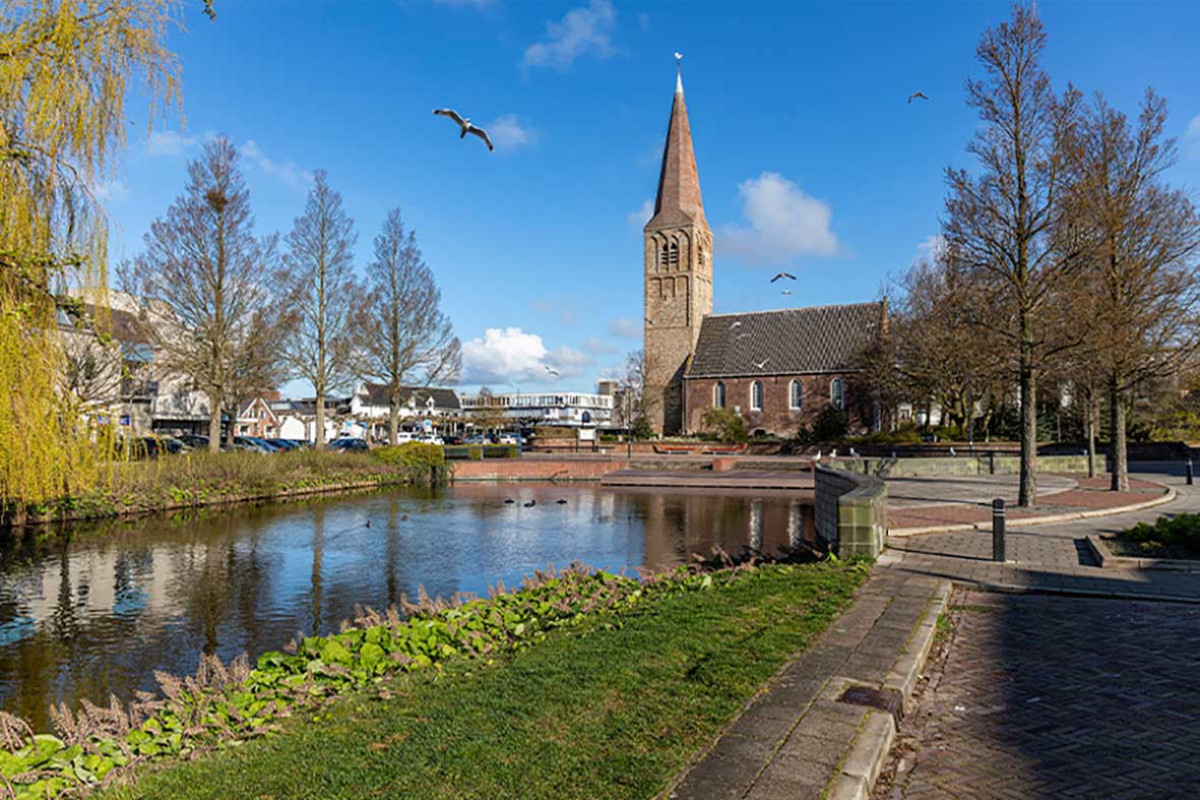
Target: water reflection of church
[(692, 524)]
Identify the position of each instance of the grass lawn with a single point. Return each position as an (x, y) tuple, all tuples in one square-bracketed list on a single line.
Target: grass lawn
[(593, 712)]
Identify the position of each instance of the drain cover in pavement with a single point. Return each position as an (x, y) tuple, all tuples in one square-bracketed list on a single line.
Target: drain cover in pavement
[(884, 699)]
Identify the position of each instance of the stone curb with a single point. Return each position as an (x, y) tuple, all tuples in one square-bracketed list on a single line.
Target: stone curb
[(1016, 524), (871, 746), (1109, 561), (1104, 594)]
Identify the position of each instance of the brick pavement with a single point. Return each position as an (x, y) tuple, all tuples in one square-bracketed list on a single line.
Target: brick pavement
[(1055, 697), (791, 741), (1052, 557)]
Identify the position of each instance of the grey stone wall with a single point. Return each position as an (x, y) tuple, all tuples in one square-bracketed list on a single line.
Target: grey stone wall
[(851, 511), (959, 465)]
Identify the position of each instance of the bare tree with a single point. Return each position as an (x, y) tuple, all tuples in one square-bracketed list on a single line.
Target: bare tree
[(205, 276), (322, 295), (402, 333), (93, 368), (1001, 224), (1144, 238)]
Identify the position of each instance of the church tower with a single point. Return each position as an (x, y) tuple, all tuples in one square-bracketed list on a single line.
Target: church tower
[(678, 273)]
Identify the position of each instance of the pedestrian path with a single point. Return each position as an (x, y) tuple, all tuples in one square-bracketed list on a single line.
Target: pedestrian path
[(1053, 558), (797, 740), (1048, 696)]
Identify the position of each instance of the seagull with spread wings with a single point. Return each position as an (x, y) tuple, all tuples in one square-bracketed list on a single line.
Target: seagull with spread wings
[(550, 370), (782, 275), (917, 96), (465, 125)]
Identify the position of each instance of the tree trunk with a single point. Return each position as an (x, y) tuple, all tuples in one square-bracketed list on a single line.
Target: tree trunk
[(393, 421), (214, 425), (1120, 453), (319, 433), (1090, 425), (1027, 495), (231, 431)]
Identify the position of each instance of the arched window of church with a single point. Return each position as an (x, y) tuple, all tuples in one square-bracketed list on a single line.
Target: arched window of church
[(700, 256), (719, 395), (674, 262), (837, 394), (796, 396), (664, 256), (756, 396)]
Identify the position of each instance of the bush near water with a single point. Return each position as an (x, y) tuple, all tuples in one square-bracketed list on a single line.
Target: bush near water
[(223, 705), (203, 478)]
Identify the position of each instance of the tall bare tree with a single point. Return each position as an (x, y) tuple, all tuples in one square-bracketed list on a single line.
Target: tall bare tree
[(205, 276), (322, 295), (1144, 238), (1001, 224), (402, 333)]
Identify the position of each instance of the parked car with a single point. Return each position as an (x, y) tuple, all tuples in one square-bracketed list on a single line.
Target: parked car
[(348, 444), (197, 442), (255, 445), (453, 440), (169, 444), (285, 444)]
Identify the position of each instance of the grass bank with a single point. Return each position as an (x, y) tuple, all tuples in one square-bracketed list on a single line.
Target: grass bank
[(610, 708), (202, 479)]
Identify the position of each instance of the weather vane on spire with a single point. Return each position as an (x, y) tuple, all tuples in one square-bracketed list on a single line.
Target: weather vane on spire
[(679, 62)]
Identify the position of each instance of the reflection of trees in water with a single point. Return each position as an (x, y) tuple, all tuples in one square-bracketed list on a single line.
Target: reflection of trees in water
[(755, 526), (317, 591)]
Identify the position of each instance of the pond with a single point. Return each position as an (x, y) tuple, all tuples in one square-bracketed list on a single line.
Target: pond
[(100, 611)]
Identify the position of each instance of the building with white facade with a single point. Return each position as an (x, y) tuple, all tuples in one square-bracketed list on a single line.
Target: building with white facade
[(564, 409)]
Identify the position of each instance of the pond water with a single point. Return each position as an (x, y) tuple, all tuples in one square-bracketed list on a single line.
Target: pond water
[(100, 611)]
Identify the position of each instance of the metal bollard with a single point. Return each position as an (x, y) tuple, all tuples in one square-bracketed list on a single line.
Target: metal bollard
[(998, 530), (1189, 472)]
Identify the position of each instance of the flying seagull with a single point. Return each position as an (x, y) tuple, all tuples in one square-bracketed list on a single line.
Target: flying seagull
[(761, 364), (649, 321), (465, 125), (786, 291), (916, 95), (787, 275), (737, 324), (550, 369)]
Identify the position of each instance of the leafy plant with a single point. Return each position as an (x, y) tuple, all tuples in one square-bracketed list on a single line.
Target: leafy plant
[(725, 424)]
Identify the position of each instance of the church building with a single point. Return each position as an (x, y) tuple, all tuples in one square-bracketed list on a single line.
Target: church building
[(778, 369)]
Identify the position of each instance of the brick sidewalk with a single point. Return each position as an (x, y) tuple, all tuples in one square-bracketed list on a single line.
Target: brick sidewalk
[(1042, 696)]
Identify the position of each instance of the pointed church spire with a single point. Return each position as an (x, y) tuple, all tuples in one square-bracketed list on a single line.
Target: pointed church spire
[(678, 198)]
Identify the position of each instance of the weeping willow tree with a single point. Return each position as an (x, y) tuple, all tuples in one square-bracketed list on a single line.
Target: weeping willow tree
[(66, 69)]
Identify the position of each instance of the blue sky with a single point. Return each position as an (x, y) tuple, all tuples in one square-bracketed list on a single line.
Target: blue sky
[(810, 159)]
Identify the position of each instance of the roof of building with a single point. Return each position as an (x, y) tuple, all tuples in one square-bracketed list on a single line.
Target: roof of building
[(790, 341), (376, 394), (678, 200)]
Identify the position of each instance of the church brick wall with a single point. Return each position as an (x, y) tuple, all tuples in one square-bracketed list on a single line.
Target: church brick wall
[(776, 417)]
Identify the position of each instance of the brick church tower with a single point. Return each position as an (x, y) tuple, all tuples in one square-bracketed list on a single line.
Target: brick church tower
[(678, 274)]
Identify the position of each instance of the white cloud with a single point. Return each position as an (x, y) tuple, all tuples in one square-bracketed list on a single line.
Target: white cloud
[(169, 143), (1191, 138), (511, 354), (644, 21), (640, 217), (598, 347), (111, 191), (783, 222), (288, 172), (583, 31), (510, 132), (625, 327), (932, 248)]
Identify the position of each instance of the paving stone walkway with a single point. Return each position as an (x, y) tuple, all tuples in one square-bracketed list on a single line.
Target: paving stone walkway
[(1055, 697), (793, 740), (1052, 557)]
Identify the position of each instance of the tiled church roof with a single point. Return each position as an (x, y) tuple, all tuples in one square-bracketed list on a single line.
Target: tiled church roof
[(377, 395), (791, 341)]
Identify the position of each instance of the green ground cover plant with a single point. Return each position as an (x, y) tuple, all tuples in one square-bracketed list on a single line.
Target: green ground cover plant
[(1169, 537), (203, 478), (657, 664)]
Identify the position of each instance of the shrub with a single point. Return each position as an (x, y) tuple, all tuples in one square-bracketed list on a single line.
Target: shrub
[(424, 464), (830, 425), (641, 429), (1181, 531), (725, 424)]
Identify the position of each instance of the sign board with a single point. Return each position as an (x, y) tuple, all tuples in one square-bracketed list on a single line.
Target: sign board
[(587, 434)]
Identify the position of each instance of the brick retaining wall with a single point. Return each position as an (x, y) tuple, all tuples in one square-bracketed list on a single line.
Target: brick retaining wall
[(540, 469), (851, 511)]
